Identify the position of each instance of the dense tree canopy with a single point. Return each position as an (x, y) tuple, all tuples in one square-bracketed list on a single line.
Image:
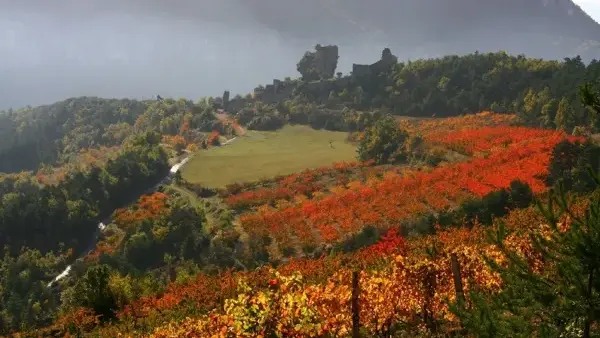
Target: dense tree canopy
[(61, 219), (164, 235), (55, 134), (543, 93)]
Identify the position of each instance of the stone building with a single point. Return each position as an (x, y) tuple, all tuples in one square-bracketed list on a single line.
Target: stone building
[(387, 61)]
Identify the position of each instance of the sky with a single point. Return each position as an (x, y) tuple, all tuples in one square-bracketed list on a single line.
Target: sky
[(592, 7), (52, 50), (138, 49)]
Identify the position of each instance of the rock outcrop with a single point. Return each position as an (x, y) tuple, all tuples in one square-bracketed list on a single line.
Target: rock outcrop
[(320, 64)]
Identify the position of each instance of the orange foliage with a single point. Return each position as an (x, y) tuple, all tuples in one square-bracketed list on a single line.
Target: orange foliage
[(401, 290), (148, 207), (304, 183), (192, 147), (79, 319), (239, 130), (101, 248), (213, 138), (86, 159), (185, 127), (205, 292), (399, 281), (174, 140)]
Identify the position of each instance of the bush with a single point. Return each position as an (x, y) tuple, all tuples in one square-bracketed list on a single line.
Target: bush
[(384, 142)]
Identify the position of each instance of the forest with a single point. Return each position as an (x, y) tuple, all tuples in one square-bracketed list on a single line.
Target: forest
[(470, 205)]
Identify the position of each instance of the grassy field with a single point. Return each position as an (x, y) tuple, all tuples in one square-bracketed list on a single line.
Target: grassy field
[(259, 155)]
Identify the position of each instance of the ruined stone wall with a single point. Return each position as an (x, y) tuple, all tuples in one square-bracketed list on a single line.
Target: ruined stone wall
[(279, 91), (361, 70), (387, 61), (326, 60), (321, 89), (236, 104)]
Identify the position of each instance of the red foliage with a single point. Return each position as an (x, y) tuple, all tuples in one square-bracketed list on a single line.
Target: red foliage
[(204, 293), (304, 183), (397, 198), (101, 248), (486, 139), (390, 243)]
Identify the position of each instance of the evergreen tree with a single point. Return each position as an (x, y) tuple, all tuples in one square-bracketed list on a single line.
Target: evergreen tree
[(93, 291), (495, 107), (590, 98), (530, 103), (562, 298), (565, 117), (548, 114)]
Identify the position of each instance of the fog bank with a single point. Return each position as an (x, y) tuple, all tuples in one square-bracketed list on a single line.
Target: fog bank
[(181, 48)]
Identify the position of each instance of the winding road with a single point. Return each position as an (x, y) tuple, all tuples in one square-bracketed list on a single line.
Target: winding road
[(102, 226)]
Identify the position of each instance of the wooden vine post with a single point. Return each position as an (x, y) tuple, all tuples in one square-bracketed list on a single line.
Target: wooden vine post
[(355, 305), (430, 283), (458, 286)]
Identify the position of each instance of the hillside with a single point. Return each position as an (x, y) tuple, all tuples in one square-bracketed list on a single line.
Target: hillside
[(263, 220), (549, 29), (295, 240), (448, 86)]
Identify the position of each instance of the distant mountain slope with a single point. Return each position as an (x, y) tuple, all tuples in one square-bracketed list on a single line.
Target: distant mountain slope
[(546, 28), (140, 48)]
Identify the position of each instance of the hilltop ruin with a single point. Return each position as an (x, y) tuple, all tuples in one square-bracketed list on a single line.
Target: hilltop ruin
[(387, 61), (320, 64), (317, 70)]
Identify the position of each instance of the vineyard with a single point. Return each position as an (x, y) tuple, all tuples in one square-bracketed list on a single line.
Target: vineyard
[(402, 281), (301, 211), (399, 281)]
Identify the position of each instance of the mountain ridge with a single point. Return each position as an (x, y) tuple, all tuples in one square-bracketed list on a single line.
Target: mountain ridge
[(188, 48), (560, 26)]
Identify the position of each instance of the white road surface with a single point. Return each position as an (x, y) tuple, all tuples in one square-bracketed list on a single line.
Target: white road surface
[(102, 226)]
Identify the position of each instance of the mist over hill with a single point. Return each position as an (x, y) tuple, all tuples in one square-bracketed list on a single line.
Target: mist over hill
[(195, 48)]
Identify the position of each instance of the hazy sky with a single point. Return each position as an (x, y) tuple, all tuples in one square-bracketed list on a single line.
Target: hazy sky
[(51, 50), (592, 7), (138, 49)]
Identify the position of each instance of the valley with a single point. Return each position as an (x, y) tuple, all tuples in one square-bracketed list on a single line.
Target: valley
[(262, 155), (400, 200)]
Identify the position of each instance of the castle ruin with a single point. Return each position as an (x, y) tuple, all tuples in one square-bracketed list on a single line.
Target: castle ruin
[(320, 64), (318, 71), (387, 61)]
